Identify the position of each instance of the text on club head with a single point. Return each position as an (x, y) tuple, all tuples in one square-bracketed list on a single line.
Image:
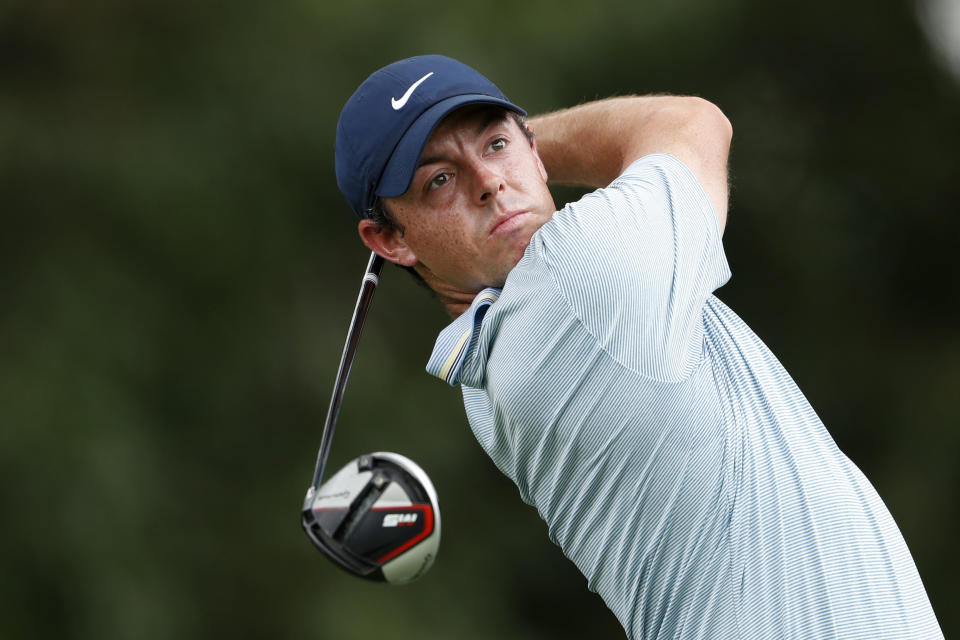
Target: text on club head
[(399, 519)]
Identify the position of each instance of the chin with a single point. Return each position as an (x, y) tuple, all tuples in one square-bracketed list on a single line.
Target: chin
[(517, 255)]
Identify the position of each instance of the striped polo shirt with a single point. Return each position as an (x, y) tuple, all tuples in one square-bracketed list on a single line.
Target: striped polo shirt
[(673, 459)]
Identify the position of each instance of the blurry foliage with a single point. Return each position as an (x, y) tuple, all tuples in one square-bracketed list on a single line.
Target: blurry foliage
[(178, 270)]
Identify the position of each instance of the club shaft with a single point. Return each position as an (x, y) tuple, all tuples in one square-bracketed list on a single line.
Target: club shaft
[(370, 280)]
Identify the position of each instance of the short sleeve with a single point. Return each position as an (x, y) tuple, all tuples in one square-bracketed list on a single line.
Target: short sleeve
[(636, 261)]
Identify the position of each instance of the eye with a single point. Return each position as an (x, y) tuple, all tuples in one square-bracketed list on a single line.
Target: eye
[(439, 180), (497, 145)]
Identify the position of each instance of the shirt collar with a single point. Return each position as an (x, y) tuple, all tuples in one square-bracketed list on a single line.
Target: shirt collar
[(455, 341)]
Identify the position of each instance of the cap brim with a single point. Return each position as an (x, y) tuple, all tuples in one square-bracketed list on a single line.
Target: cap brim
[(398, 174)]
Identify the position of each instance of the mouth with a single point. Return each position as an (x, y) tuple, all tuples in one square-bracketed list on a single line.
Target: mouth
[(509, 222)]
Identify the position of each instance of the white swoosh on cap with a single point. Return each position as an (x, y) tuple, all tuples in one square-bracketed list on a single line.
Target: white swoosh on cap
[(398, 104)]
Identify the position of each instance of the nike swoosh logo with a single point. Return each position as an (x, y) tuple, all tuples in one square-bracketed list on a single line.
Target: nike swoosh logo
[(398, 104)]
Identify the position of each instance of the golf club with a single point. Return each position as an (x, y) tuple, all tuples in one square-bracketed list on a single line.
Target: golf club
[(378, 517)]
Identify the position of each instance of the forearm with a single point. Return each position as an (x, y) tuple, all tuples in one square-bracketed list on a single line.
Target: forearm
[(593, 143)]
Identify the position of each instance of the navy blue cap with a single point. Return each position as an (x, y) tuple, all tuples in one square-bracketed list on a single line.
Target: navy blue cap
[(386, 123)]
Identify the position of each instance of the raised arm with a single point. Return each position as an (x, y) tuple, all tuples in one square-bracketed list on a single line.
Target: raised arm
[(591, 144)]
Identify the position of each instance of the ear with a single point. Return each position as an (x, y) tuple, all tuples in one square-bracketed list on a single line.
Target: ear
[(387, 243), (536, 154)]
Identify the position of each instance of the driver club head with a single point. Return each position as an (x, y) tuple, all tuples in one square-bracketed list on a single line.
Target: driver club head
[(377, 518)]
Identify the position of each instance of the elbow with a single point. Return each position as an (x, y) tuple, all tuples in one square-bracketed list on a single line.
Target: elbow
[(723, 123), (696, 122), (709, 134), (707, 118)]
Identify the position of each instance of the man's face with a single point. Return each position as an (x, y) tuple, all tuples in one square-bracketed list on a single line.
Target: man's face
[(478, 195)]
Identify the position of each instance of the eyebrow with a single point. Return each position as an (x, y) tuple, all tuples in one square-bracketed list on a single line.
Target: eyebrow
[(492, 118)]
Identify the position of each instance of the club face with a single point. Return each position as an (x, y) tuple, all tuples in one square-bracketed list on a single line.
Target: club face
[(377, 518)]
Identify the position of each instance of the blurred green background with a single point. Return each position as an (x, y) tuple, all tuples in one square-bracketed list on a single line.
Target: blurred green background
[(178, 269)]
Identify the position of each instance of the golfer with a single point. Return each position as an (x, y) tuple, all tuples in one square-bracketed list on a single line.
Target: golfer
[(671, 456)]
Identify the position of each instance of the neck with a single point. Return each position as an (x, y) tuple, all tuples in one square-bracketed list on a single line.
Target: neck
[(454, 299), (455, 306)]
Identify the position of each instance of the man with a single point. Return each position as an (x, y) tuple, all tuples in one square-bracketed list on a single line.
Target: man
[(671, 456)]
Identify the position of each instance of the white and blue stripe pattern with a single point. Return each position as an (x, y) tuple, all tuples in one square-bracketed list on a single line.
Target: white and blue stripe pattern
[(671, 456), (451, 347)]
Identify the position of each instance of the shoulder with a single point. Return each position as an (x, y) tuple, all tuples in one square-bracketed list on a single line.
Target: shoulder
[(654, 194), (635, 262), (659, 174)]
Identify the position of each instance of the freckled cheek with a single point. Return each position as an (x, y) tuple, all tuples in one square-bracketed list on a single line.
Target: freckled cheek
[(438, 243)]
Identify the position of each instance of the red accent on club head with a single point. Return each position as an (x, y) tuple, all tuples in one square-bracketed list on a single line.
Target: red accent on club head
[(427, 512)]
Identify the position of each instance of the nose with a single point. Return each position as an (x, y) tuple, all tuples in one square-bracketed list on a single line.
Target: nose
[(488, 182)]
